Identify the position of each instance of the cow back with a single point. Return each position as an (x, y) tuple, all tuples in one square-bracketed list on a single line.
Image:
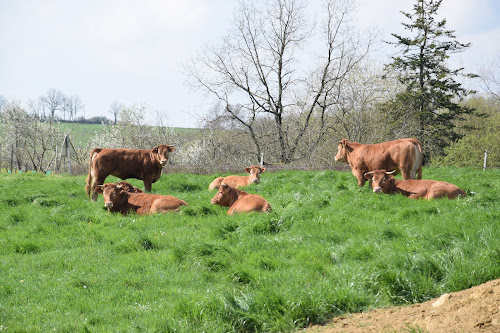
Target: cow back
[(249, 203), (126, 163), (154, 203)]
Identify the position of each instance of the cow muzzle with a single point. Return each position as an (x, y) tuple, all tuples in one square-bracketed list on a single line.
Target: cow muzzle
[(256, 180), (163, 162), (108, 204), (377, 189)]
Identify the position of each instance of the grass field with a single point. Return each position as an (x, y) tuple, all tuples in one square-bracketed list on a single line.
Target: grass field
[(80, 133), (67, 265)]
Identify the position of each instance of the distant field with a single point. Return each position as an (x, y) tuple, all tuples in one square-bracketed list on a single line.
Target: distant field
[(327, 248), (80, 134)]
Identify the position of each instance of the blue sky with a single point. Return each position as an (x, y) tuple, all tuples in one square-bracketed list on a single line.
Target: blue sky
[(131, 51)]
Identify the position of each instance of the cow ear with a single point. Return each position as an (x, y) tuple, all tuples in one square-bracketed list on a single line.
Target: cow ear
[(262, 170), (99, 189), (171, 149), (119, 187), (247, 170), (368, 175), (155, 149)]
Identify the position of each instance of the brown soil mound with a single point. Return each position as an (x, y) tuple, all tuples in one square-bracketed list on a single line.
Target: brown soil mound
[(473, 310)]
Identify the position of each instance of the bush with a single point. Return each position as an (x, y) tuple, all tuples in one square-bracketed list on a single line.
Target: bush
[(469, 151)]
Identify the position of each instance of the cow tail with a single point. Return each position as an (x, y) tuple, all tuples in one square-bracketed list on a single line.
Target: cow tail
[(419, 158), (93, 153)]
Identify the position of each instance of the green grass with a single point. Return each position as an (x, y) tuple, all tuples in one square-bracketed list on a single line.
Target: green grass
[(328, 248)]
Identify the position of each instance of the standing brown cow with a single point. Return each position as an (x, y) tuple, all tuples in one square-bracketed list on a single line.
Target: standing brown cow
[(403, 155), (239, 201), (117, 199), (384, 181), (239, 181), (144, 164)]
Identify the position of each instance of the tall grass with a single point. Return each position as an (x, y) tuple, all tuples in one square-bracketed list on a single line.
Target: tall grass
[(327, 248)]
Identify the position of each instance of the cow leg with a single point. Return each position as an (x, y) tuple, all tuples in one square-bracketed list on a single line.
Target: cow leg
[(96, 181), (407, 175), (147, 185), (360, 176)]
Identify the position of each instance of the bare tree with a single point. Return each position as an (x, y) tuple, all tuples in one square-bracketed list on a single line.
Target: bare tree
[(53, 101), (35, 108), (115, 108), (72, 105), (258, 75), (490, 77)]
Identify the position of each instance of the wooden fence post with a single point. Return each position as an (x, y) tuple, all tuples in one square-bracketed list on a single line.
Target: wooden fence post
[(11, 158), (66, 150), (485, 158)]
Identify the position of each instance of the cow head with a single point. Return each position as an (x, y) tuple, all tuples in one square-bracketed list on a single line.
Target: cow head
[(161, 153), (110, 192), (381, 180), (255, 172), (224, 196), (342, 150)]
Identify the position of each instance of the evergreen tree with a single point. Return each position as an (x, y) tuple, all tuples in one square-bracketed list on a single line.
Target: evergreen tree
[(432, 95)]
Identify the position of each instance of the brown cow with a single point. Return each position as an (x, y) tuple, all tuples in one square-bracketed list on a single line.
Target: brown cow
[(403, 155), (239, 201), (239, 181), (116, 199), (144, 164), (384, 181)]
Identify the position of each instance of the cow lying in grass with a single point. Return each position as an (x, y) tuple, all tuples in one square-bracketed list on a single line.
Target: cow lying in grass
[(384, 181), (239, 201), (239, 181), (116, 199)]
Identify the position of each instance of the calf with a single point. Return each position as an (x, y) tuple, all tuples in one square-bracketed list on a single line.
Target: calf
[(384, 181), (144, 164), (116, 199), (403, 155), (239, 201), (239, 181)]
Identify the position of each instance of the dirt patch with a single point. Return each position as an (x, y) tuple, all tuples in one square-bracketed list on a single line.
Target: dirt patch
[(473, 310)]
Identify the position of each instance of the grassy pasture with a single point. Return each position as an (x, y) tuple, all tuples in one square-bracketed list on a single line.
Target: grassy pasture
[(67, 265)]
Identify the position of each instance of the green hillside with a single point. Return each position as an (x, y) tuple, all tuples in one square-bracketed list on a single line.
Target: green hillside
[(81, 133)]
